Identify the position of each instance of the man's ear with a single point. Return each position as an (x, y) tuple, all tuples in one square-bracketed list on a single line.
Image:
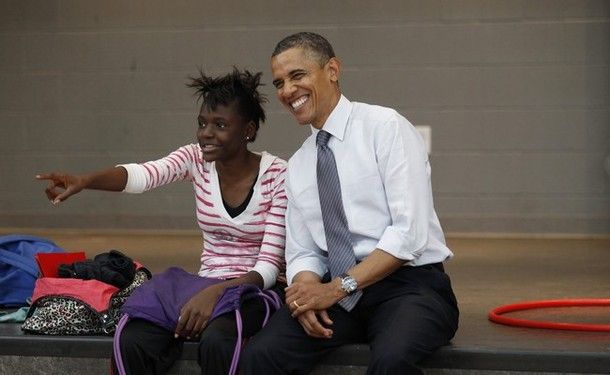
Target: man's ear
[(334, 69)]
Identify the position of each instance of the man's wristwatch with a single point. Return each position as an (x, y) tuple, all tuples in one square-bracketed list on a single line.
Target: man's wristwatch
[(348, 284)]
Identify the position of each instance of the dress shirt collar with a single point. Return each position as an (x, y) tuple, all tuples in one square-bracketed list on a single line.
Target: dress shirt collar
[(336, 123)]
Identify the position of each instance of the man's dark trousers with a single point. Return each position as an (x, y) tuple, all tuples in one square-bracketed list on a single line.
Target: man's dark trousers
[(404, 317)]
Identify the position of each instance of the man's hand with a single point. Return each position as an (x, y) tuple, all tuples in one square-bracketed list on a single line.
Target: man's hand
[(71, 184), (307, 299), (303, 296), (197, 311), (310, 321)]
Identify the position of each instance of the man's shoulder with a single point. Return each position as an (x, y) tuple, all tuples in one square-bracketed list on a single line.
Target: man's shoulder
[(378, 123), (301, 163), (297, 158), (307, 146), (373, 112)]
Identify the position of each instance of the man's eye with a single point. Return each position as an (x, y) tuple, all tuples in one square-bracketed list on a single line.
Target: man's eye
[(278, 85), (298, 76)]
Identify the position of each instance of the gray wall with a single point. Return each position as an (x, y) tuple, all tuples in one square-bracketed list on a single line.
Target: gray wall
[(517, 94)]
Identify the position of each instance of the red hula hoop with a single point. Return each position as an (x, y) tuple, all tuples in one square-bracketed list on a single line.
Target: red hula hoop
[(495, 315)]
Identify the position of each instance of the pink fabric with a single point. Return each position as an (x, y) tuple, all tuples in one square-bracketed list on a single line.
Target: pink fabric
[(95, 293)]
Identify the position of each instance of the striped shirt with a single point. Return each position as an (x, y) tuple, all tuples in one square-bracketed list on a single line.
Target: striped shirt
[(253, 240)]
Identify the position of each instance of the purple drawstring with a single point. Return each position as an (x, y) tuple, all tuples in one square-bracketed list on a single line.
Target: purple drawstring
[(118, 359), (266, 312), (268, 296), (236, 353), (277, 302)]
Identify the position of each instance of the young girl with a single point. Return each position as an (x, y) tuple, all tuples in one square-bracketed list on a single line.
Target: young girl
[(240, 204)]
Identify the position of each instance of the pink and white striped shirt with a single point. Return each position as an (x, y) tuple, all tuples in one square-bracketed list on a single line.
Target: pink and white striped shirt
[(253, 240)]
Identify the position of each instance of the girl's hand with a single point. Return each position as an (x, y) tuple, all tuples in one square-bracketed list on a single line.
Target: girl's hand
[(196, 313), (71, 184)]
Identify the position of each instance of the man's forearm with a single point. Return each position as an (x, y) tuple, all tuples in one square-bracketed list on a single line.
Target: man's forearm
[(378, 265), (310, 294)]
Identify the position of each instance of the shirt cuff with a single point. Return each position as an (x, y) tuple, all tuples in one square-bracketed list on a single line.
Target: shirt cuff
[(299, 265), (136, 178), (268, 273), (399, 245)]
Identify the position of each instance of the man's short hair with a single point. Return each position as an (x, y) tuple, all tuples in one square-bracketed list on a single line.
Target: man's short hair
[(313, 43)]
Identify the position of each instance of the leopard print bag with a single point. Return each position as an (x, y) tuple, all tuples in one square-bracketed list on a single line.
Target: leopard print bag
[(78, 307)]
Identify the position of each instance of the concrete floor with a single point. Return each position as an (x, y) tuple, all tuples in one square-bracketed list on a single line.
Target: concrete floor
[(486, 272), (492, 272)]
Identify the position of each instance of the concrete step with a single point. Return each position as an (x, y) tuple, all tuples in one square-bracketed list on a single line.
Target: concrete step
[(32, 354)]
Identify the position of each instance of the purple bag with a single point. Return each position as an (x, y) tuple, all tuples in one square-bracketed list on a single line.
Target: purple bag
[(160, 300)]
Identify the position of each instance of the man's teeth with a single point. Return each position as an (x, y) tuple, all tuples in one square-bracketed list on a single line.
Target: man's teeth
[(299, 102)]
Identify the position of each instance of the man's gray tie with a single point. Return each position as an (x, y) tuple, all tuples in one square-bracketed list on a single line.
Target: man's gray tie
[(340, 251)]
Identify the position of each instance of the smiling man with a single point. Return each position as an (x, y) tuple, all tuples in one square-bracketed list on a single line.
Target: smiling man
[(364, 246)]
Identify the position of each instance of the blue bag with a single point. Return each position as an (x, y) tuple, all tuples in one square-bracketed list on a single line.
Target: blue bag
[(18, 267)]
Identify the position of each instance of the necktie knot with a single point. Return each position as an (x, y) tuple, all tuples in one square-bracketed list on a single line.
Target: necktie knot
[(323, 138)]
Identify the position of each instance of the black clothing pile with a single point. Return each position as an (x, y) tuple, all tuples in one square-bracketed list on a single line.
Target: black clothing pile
[(113, 267)]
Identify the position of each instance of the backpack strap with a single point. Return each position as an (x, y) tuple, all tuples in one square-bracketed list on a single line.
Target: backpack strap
[(270, 296), (118, 358), (24, 263), (267, 296), (238, 343)]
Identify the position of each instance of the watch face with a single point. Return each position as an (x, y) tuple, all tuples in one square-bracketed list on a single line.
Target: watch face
[(348, 284)]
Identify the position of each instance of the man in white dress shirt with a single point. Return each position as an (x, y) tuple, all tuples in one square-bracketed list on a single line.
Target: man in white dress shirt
[(395, 294)]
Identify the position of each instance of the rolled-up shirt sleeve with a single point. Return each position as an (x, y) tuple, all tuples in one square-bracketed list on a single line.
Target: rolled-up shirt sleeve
[(152, 174), (302, 253), (136, 178), (405, 171)]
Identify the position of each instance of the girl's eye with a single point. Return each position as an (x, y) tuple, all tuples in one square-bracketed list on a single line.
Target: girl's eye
[(200, 125), (221, 125)]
